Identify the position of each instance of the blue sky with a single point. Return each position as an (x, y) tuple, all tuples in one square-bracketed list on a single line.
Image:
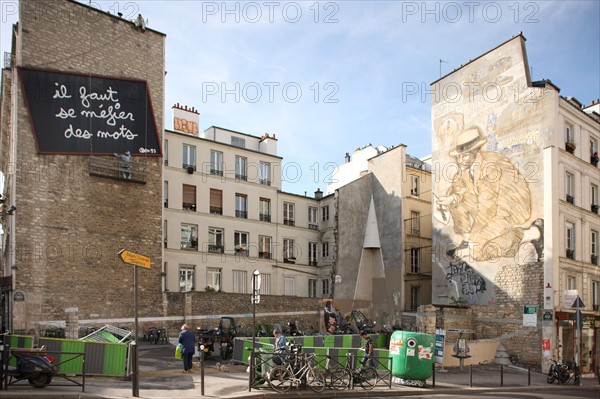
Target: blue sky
[(328, 77)]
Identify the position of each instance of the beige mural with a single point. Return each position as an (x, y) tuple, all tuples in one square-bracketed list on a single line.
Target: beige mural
[(488, 138)]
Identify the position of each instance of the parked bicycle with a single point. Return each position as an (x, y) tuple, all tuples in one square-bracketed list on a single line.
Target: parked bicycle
[(342, 377), (297, 371)]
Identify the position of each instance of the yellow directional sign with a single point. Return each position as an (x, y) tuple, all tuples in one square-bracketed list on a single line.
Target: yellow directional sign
[(134, 259)]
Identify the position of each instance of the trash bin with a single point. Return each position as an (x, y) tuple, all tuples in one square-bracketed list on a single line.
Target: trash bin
[(412, 356)]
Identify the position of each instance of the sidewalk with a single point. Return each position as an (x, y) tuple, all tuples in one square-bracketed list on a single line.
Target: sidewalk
[(161, 377)]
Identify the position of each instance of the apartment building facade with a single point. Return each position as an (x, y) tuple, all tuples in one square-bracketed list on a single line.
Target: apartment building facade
[(225, 216)]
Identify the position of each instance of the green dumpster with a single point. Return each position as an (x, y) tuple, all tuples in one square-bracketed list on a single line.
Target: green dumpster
[(412, 357)]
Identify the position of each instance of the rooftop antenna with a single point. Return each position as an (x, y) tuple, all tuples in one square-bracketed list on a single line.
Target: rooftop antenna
[(442, 61)]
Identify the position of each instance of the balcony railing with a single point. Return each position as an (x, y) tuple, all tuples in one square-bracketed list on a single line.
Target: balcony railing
[(189, 245), (289, 222), (594, 260), (117, 169), (312, 263), (188, 207), (216, 172), (595, 208), (570, 254), (313, 226), (265, 217), (241, 214), (265, 182), (189, 167), (264, 255), (216, 248), (570, 146), (241, 177), (570, 199), (216, 210)]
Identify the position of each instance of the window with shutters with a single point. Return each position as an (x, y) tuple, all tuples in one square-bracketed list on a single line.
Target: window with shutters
[(289, 286), (216, 201), (189, 198), (240, 284)]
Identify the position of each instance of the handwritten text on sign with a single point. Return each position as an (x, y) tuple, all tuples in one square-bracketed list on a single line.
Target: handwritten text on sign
[(80, 114), (134, 259)]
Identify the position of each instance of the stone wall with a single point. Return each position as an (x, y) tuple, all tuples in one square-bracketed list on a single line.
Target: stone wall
[(71, 225)]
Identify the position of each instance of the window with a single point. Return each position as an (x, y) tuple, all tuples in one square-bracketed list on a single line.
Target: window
[(265, 284), (213, 278), (238, 142), (415, 223), (241, 206), (571, 283), (288, 214), (264, 247), (240, 241), (414, 185), (189, 236), (166, 153), (594, 197), (241, 168), (312, 254), (216, 163), (216, 240), (325, 287), (595, 293), (312, 288), (325, 212), (189, 157), (415, 260), (265, 173), (569, 133), (415, 294), (289, 286), (166, 194), (288, 251), (240, 284), (569, 187), (186, 278), (325, 250), (594, 152), (570, 240), (312, 218), (165, 233), (265, 209), (189, 198), (216, 202), (594, 246)]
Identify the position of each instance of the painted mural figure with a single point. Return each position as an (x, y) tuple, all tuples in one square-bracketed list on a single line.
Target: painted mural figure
[(489, 199)]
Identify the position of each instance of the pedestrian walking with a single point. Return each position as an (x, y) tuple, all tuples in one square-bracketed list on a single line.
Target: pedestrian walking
[(367, 359), (187, 341)]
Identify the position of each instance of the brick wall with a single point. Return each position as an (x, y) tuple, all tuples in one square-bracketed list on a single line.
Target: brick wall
[(70, 225)]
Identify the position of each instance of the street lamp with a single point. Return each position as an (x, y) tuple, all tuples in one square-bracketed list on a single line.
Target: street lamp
[(255, 299)]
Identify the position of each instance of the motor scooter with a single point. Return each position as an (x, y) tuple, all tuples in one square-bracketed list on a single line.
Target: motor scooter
[(563, 373), (206, 339), (33, 365), (226, 332)]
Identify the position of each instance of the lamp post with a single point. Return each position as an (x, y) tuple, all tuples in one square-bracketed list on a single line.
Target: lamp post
[(255, 299)]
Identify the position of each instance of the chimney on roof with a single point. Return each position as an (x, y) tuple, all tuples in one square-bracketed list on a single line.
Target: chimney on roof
[(347, 157), (186, 119), (318, 194)]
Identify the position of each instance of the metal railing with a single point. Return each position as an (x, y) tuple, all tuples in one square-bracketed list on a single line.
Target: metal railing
[(117, 169)]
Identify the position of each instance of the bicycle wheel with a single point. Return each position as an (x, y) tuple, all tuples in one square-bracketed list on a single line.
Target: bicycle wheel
[(339, 379), (315, 380), (280, 379), (368, 378)]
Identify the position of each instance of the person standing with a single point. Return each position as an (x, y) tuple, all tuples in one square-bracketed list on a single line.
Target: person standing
[(367, 359), (188, 348), (280, 347)]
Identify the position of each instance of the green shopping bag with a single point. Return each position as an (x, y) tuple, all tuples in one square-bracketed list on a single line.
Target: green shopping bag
[(178, 352)]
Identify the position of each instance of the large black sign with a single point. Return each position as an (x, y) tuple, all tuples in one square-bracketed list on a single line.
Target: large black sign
[(84, 114)]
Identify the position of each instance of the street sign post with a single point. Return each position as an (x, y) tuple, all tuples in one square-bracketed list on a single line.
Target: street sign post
[(255, 299), (142, 261)]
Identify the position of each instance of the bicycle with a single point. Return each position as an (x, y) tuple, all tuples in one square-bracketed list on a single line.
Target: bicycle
[(295, 372), (341, 377)]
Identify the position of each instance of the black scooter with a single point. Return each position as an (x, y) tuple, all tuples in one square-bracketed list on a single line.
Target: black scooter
[(33, 365), (206, 340)]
